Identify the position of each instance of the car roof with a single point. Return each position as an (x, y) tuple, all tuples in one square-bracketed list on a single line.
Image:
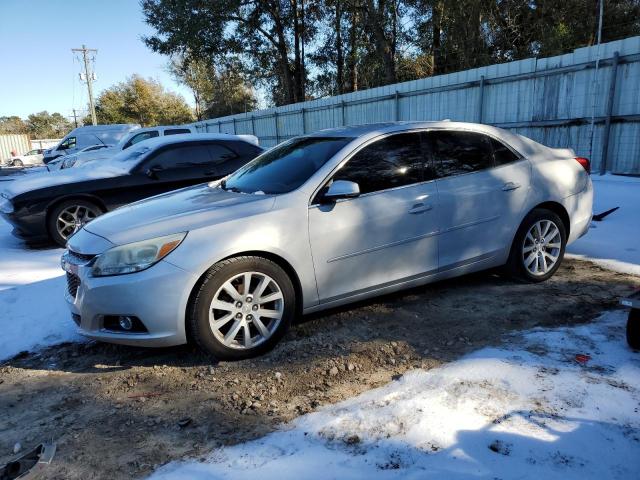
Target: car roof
[(355, 131), (162, 128), (371, 130), (189, 137), (109, 127)]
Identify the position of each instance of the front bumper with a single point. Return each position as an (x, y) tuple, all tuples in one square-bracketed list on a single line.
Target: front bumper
[(157, 296), (30, 227)]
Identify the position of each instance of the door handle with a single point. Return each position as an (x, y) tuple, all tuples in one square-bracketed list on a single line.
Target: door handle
[(507, 187), (420, 208)]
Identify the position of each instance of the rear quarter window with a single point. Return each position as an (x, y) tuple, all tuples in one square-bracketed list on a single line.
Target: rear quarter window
[(502, 154)]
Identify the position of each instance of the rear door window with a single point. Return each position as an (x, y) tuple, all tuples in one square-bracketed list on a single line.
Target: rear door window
[(141, 137), (176, 131), (392, 162), (220, 153), (182, 156), (457, 153)]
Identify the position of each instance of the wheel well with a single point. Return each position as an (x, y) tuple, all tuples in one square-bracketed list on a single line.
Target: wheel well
[(559, 210), (281, 262), (88, 198)]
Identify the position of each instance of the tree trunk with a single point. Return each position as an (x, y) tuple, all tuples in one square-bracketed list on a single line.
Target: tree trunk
[(303, 67), (297, 62), (197, 100), (376, 22), (288, 75), (436, 22), (339, 51), (352, 62)]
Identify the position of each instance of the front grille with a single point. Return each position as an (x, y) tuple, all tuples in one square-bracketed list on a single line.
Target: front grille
[(78, 258), (73, 282)]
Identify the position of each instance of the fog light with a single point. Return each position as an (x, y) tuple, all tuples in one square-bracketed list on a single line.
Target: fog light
[(125, 323)]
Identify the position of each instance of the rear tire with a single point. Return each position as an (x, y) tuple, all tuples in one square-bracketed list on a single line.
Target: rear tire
[(538, 247), (242, 326), (633, 329), (70, 216)]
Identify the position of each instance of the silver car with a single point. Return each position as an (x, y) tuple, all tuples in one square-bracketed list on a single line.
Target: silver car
[(323, 220)]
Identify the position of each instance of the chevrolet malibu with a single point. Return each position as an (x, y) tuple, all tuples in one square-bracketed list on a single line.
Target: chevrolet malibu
[(323, 220)]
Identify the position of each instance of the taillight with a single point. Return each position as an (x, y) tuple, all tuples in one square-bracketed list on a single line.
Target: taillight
[(586, 164)]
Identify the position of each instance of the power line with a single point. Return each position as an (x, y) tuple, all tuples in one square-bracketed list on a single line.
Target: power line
[(89, 78)]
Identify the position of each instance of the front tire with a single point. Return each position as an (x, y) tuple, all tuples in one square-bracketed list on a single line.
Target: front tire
[(70, 216), (242, 308), (538, 247), (17, 163)]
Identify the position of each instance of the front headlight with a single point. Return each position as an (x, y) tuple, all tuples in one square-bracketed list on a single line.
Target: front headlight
[(5, 205), (134, 257)]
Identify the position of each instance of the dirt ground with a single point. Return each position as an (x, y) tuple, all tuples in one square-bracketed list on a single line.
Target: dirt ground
[(120, 412)]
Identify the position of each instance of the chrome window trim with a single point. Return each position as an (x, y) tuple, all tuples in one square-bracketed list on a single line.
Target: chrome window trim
[(518, 154), (321, 185), (351, 155)]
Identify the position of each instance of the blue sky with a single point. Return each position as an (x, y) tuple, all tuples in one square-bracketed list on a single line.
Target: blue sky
[(37, 69)]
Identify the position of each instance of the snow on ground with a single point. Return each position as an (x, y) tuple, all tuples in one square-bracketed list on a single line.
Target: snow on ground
[(530, 410), (32, 308), (614, 242)]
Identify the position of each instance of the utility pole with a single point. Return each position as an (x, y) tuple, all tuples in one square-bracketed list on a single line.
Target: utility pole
[(75, 118), (595, 84), (89, 78)]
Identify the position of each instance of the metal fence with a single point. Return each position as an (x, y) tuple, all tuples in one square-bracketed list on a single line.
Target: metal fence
[(14, 142), (45, 142), (588, 100)]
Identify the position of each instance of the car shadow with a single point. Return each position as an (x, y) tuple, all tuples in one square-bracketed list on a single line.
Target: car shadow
[(450, 317)]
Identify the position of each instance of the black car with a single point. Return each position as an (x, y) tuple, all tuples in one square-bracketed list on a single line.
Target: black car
[(53, 205)]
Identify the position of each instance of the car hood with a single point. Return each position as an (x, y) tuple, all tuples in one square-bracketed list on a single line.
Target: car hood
[(36, 181), (179, 211), (108, 152)]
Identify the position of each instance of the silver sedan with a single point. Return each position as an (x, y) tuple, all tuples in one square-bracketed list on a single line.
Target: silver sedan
[(323, 220)]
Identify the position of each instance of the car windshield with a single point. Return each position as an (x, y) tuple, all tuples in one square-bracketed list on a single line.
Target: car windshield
[(285, 167), (127, 159)]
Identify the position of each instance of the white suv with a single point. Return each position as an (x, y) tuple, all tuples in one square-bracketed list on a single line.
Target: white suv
[(125, 142)]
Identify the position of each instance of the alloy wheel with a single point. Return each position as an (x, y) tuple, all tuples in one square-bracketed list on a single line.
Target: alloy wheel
[(73, 218), (541, 247), (246, 310)]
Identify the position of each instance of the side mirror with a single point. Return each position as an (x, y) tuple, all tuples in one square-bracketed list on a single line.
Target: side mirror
[(63, 146), (152, 172), (341, 189)]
